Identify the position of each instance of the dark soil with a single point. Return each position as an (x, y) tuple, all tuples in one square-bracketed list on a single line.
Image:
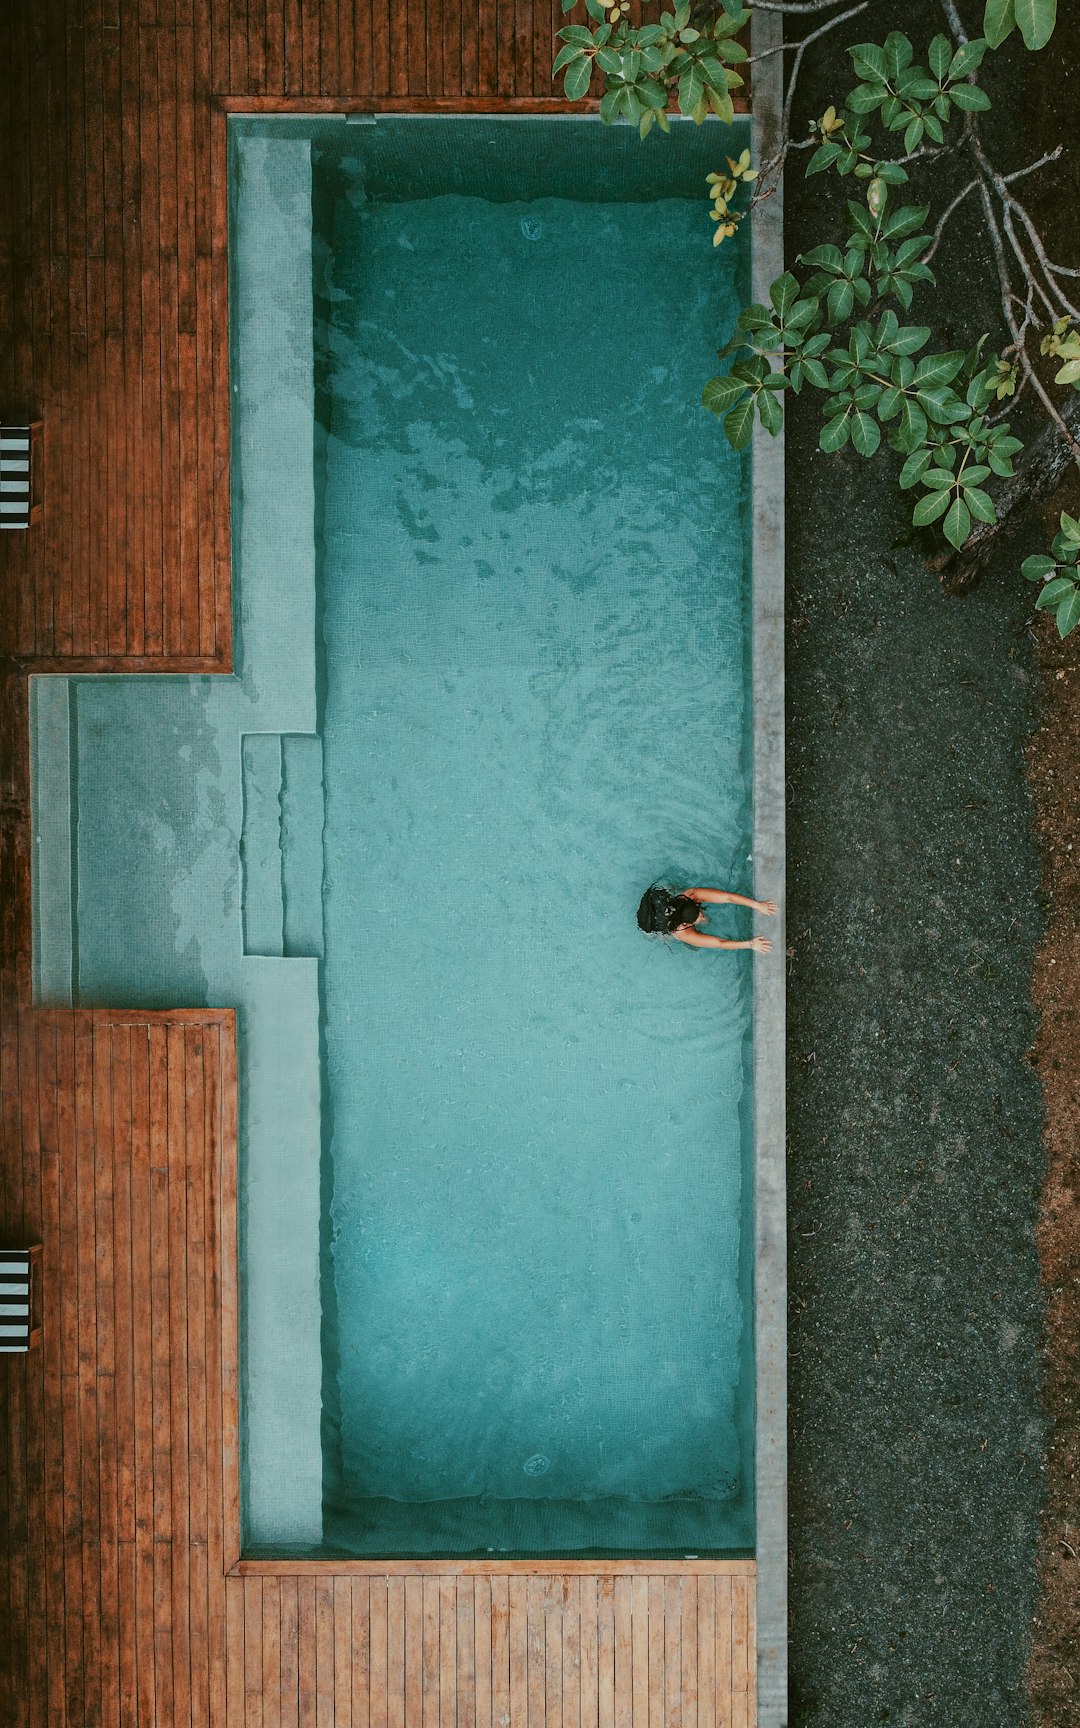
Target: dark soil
[(933, 1440)]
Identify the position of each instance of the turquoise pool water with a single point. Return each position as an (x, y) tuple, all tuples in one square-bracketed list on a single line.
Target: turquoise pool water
[(529, 649)]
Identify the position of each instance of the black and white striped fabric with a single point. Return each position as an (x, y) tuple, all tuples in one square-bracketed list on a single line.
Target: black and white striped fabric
[(15, 500), (14, 1300)]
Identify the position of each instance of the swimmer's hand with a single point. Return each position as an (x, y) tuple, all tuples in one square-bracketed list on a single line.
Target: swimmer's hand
[(767, 906), (761, 944)]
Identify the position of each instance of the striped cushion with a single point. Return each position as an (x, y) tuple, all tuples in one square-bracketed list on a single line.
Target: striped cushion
[(14, 476), (14, 1299)]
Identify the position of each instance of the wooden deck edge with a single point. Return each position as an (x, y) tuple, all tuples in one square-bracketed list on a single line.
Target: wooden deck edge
[(134, 665), (635, 1568), (448, 105)]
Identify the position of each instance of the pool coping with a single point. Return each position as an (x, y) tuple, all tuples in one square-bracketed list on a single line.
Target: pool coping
[(770, 1013)]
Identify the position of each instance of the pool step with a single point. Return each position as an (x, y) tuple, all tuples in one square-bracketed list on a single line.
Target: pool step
[(281, 844)]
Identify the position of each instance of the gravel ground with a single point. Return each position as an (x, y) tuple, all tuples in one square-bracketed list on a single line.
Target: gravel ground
[(915, 1121)]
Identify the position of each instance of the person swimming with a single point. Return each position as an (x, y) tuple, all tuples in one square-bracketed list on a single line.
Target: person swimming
[(677, 912)]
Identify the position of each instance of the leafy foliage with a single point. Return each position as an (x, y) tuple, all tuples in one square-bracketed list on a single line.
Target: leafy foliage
[(642, 66), (834, 323), (1059, 575)]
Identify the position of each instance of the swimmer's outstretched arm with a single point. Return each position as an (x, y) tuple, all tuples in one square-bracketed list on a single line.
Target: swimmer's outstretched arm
[(695, 939), (721, 897)]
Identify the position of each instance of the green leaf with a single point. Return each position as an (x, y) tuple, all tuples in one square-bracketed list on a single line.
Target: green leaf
[(902, 221), (968, 58), (721, 393), (563, 58), (823, 158), (1069, 374), (940, 55), (929, 508), (1054, 592), (957, 523), (861, 220), (609, 62), (913, 426), (835, 434), (909, 340), (898, 53), (577, 33), (969, 96), (739, 424), (770, 412), (936, 478), (825, 258), (784, 293), (980, 504), (840, 299), (936, 369), (913, 135), (691, 90), (578, 78), (999, 19), (1036, 19), (610, 103), (1070, 528), (869, 61), (865, 433), (914, 468), (815, 373), (1068, 613), (1035, 568)]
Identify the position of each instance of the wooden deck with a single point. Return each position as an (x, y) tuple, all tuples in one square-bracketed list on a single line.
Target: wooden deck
[(120, 1601)]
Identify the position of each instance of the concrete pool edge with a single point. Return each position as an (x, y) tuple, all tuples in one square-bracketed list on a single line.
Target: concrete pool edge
[(770, 1142)]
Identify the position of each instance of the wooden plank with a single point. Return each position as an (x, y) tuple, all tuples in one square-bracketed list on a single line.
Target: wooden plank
[(228, 1337), (739, 1657), (447, 1652), (722, 1669), (236, 1590), (483, 1652), (706, 1654), (342, 1653), (430, 1707), (142, 1371), (120, 1088), (289, 1655), (656, 1650), (605, 1652), (624, 1653), (270, 1648), (253, 1657), (518, 1637), (90, 1487), (176, 1045), (219, 1091), (572, 1590), (395, 1652), (33, 1459), (589, 1653), (324, 1652), (553, 1650), (688, 1677), (501, 1711), (52, 1361), (464, 1674), (199, 1444), (377, 1650), (105, 1365), (160, 1379), (414, 1652), (536, 1597), (150, 369), (361, 1652)]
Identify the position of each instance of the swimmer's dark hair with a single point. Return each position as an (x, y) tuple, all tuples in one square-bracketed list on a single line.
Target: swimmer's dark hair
[(664, 910)]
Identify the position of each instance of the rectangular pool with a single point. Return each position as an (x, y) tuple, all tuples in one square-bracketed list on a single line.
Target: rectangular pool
[(496, 1172)]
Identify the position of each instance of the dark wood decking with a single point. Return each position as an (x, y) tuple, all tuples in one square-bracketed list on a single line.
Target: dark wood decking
[(117, 1133), (117, 1447)]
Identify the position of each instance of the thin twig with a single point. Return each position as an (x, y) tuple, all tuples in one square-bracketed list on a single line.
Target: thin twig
[(944, 219), (955, 22), (1007, 297)]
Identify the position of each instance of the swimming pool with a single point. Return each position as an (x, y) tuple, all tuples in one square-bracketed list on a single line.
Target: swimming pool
[(492, 568)]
